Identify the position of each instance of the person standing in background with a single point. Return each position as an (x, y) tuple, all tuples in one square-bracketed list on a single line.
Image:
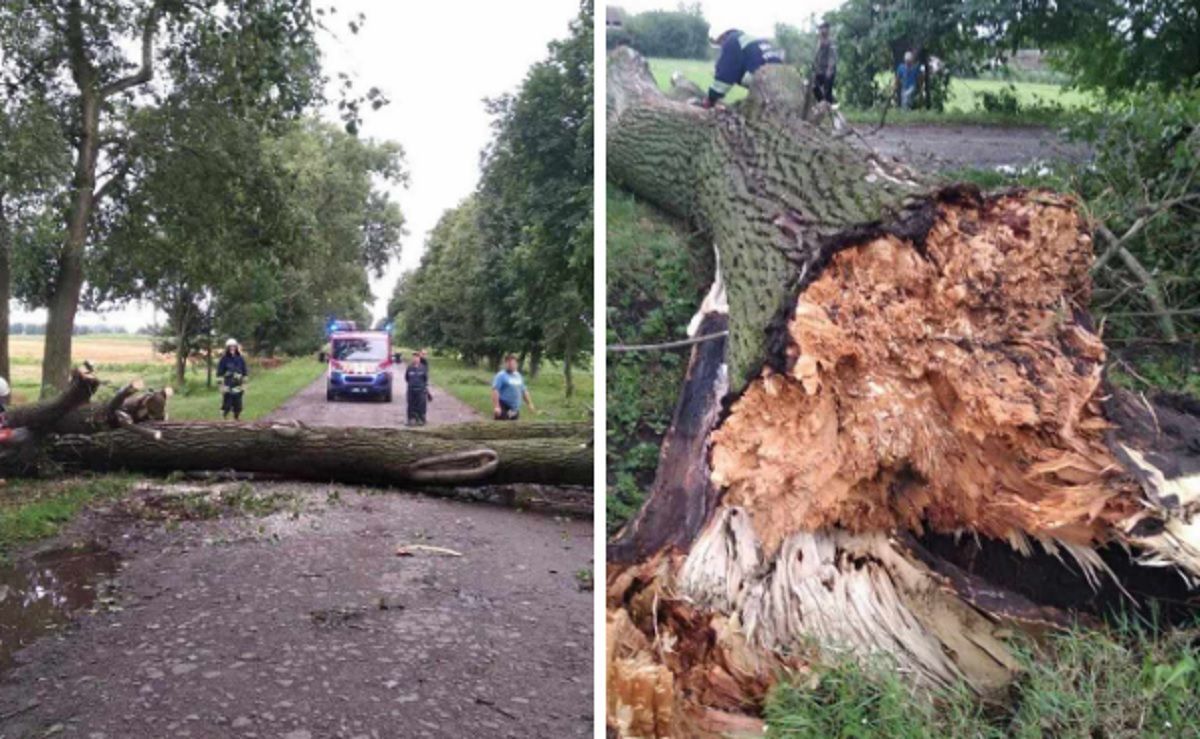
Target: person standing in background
[(908, 80), (825, 65), (416, 377), (508, 389), (232, 372)]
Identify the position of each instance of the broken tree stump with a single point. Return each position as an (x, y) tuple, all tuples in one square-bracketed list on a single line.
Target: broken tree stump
[(906, 446)]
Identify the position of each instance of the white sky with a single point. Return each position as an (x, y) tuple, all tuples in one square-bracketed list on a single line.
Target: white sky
[(435, 61), (753, 16)]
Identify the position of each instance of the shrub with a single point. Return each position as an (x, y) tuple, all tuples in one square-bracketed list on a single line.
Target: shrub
[(1147, 152)]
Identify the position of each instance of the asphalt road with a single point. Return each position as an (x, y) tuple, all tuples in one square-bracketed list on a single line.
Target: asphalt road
[(305, 624), (310, 406), (979, 147)]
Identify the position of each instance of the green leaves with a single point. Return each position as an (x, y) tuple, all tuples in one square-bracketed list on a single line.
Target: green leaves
[(510, 269)]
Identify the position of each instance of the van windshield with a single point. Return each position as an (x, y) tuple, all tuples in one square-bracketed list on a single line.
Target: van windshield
[(361, 349)]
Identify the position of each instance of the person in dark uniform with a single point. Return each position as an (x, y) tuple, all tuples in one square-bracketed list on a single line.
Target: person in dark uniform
[(741, 56), (824, 66), (416, 377), (232, 373)]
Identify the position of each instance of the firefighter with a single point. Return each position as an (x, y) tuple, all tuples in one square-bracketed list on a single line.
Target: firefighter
[(741, 56), (416, 377), (232, 372)]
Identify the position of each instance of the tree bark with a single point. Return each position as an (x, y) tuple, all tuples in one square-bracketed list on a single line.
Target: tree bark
[(369, 456), (41, 417), (63, 302), (902, 437), (5, 289)]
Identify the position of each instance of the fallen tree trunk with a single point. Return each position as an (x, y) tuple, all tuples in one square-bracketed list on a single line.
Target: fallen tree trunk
[(128, 432), (905, 439), (374, 456), (42, 416)]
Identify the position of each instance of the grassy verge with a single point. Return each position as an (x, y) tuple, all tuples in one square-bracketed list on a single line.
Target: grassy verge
[(472, 384), (35, 509), (1122, 683), (266, 390), (656, 279), (1042, 103), (120, 358)]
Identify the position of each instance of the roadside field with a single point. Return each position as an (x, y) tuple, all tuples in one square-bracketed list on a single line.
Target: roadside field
[(473, 386), (964, 104), (119, 358)]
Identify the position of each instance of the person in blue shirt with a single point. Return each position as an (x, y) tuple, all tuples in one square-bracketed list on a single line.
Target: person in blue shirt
[(908, 79), (232, 372), (508, 389), (741, 56)]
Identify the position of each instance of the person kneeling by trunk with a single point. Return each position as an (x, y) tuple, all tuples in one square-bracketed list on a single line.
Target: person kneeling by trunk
[(741, 56), (232, 372), (416, 377), (508, 389)]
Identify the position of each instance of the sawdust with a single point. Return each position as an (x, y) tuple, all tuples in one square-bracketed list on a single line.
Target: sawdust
[(953, 386)]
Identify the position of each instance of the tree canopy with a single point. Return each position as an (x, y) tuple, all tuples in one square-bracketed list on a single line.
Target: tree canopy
[(178, 161), (524, 240)]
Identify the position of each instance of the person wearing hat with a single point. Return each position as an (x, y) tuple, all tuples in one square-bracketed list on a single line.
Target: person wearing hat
[(741, 56), (232, 372), (825, 65)]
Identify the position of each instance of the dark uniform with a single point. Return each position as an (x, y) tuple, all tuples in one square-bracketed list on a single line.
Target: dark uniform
[(824, 72), (417, 379), (741, 56), (232, 372)]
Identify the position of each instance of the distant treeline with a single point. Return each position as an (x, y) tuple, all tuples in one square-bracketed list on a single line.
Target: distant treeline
[(39, 329), (678, 34)]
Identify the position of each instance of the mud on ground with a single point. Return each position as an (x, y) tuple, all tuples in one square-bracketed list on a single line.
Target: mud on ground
[(283, 610)]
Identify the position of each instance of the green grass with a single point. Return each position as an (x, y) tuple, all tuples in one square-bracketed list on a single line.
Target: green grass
[(35, 509), (656, 278), (472, 384), (962, 107), (1123, 682), (266, 390)]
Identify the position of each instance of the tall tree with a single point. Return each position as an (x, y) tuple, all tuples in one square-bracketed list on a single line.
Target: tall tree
[(74, 54), (30, 162), (536, 195)]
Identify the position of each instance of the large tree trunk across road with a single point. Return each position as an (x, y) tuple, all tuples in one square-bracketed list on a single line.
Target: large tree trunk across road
[(906, 446), (129, 432)]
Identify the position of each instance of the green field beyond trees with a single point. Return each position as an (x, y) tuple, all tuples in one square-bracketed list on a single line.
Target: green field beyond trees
[(964, 101), (121, 358)]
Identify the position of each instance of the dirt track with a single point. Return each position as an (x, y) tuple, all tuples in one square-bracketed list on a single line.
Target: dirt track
[(983, 147), (304, 623), (309, 406)]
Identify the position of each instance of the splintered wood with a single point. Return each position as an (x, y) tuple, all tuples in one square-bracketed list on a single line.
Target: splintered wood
[(950, 386)]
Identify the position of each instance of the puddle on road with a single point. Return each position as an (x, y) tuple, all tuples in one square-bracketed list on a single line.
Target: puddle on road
[(40, 594)]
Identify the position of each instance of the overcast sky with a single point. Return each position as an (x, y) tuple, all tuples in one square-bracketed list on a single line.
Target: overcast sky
[(435, 61), (753, 16)]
